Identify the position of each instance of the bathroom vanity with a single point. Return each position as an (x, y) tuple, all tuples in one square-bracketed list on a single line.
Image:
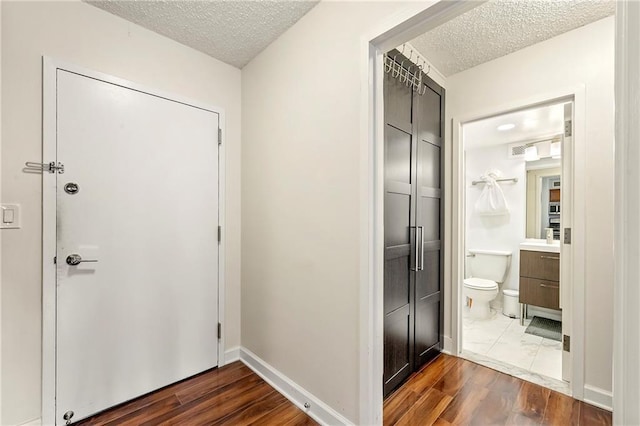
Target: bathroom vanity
[(539, 275)]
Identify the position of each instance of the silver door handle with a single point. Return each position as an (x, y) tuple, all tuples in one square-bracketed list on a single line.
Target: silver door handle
[(549, 257), (76, 259), (421, 247), (415, 251)]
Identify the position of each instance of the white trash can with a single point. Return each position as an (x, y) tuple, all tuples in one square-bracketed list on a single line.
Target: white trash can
[(511, 305)]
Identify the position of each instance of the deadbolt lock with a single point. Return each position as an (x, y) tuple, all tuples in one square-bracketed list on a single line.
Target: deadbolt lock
[(71, 188)]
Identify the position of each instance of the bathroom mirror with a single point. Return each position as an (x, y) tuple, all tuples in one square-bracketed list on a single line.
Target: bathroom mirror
[(544, 194)]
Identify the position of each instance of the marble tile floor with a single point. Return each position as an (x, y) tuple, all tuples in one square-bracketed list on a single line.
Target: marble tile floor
[(502, 342)]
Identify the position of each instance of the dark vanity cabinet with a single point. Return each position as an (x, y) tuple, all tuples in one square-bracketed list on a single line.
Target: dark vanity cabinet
[(540, 279)]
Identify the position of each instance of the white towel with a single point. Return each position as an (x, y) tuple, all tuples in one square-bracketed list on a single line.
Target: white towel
[(492, 201)]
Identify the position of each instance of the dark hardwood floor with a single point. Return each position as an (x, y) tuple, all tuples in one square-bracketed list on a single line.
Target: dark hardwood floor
[(454, 391), (447, 391), (231, 395)]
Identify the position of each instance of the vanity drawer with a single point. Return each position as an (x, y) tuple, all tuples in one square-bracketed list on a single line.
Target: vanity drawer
[(540, 292), (541, 265)]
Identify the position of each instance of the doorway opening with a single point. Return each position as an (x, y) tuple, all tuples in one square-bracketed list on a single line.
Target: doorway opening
[(512, 293), (543, 77)]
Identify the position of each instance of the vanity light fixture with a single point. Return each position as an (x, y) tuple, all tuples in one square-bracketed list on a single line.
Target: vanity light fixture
[(531, 153), (555, 150), (507, 126), (552, 148)]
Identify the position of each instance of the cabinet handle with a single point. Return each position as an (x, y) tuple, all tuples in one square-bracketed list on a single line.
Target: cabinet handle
[(548, 286), (549, 257), (421, 228), (416, 249)]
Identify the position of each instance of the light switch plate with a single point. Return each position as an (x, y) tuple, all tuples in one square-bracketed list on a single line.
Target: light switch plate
[(10, 216)]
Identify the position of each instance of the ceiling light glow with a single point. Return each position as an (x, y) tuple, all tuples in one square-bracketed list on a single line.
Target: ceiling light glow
[(507, 126)]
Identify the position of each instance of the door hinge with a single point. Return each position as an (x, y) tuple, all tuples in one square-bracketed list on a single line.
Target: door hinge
[(219, 233), (568, 128), (566, 343), (55, 260), (219, 136), (567, 235), (219, 331)]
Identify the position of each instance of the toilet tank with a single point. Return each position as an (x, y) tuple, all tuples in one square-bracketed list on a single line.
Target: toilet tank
[(489, 264)]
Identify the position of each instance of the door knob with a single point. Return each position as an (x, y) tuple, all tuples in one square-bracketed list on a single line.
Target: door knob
[(76, 259)]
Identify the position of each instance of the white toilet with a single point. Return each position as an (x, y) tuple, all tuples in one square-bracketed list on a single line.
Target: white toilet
[(486, 269)]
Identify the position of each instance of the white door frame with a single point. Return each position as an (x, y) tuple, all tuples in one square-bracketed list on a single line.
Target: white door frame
[(50, 67), (572, 280), (399, 28), (626, 318)]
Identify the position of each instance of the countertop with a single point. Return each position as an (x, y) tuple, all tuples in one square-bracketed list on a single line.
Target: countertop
[(532, 244)]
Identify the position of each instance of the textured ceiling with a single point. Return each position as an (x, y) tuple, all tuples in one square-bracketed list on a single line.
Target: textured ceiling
[(499, 27), (233, 31)]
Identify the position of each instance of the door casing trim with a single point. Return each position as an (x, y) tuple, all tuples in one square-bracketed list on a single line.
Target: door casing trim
[(50, 66), (402, 26), (626, 318), (398, 28), (576, 275)]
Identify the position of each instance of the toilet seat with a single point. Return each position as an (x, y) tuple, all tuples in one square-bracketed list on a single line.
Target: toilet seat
[(480, 284)]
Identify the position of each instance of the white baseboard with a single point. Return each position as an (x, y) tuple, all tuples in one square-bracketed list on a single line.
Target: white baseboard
[(36, 422), (447, 346), (598, 397), (231, 355), (317, 410)]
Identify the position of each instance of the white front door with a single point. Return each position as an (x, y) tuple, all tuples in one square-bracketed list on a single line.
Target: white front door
[(138, 205)]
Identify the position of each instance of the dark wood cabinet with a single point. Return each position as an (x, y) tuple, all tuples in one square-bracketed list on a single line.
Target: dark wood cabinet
[(413, 227), (540, 279)]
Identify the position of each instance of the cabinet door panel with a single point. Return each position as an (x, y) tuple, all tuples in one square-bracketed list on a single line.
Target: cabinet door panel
[(397, 289), (430, 161), (428, 322), (397, 156), (429, 218), (542, 265), (398, 341), (540, 293), (413, 198), (397, 216), (429, 279), (427, 337), (397, 104)]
